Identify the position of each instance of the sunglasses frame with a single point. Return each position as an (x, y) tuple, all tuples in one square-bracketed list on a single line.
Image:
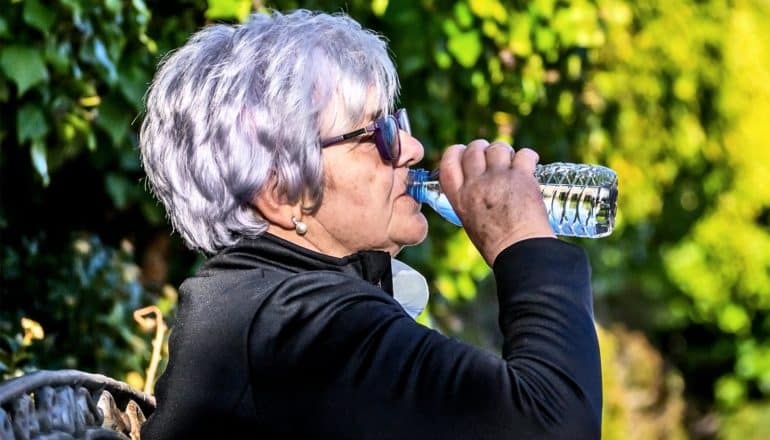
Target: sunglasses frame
[(400, 119)]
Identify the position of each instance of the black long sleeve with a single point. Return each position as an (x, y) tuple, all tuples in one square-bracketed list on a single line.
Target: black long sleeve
[(330, 359), (275, 341)]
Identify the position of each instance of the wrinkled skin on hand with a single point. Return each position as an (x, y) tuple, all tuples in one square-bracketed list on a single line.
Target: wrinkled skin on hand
[(494, 192)]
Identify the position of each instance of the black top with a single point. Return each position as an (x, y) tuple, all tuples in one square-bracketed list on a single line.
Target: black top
[(276, 341)]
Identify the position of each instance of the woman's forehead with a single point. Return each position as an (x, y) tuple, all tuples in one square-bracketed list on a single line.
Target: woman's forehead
[(343, 115)]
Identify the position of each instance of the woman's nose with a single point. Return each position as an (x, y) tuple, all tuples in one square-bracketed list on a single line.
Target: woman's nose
[(411, 150)]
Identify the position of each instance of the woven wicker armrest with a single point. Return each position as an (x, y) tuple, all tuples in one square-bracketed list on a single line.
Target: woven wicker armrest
[(71, 404)]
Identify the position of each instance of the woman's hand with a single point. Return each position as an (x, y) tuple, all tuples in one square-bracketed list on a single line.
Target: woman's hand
[(494, 191)]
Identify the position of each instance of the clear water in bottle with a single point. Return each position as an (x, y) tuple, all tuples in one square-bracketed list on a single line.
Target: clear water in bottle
[(580, 199)]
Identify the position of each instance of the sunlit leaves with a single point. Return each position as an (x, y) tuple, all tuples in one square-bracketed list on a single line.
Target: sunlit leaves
[(466, 47), (673, 97), (749, 421), (460, 269), (578, 25), (379, 7), (642, 398), (519, 41), (671, 94), (730, 391), (489, 9), (228, 9)]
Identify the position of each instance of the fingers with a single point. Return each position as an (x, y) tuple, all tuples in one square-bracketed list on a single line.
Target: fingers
[(459, 163), (451, 170), (498, 156), (526, 160), (474, 161)]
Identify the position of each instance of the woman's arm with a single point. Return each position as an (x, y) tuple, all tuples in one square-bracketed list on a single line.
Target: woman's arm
[(337, 358)]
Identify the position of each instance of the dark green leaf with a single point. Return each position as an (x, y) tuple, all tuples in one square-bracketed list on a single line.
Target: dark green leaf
[(4, 93), (77, 16), (58, 55), (30, 124), (118, 187), (113, 6), (39, 16), (133, 83), (24, 65), (152, 212), (4, 28), (129, 159), (73, 5), (411, 64), (114, 118)]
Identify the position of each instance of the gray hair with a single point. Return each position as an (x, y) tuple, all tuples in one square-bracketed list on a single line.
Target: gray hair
[(237, 105)]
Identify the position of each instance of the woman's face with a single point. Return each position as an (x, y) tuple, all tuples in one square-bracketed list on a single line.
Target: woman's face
[(365, 205)]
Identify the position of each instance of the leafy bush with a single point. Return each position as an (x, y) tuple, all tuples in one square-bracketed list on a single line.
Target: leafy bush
[(86, 314), (72, 76), (672, 94)]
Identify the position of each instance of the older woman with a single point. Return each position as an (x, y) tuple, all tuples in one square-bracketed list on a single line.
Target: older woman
[(275, 148)]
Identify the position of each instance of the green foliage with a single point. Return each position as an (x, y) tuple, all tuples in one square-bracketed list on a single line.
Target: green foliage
[(228, 9), (672, 94), (751, 422), (643, 398), (685, 140), (61, 64), (72, 77), (86, 313)]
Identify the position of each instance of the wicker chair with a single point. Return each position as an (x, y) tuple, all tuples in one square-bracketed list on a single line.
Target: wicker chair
[(71, 404)]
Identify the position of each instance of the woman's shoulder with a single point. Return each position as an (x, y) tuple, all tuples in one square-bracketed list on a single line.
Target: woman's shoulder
[(277, 293), (323, 288)]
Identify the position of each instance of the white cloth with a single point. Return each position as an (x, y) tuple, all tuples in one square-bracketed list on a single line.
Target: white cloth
[(410, 288)]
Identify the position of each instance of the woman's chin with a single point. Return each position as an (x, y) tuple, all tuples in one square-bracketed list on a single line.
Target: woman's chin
[(412, 230)]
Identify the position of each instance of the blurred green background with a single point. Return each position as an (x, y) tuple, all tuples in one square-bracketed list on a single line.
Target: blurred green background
[(672, 94)]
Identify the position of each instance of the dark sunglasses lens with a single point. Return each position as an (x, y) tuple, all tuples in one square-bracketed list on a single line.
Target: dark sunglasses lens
[(388, 141), (403, 121)]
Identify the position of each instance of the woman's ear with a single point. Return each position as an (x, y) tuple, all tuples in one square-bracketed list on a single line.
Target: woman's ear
[(274, 207)]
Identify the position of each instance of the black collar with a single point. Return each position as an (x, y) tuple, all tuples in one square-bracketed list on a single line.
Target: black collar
[(267, 250)]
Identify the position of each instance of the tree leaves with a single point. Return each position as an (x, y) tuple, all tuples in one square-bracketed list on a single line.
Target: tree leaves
[(466, 47), (114, 119), (24, 65), (228, 9), (38, 153), (39, 16), (670, 93), (30, 124)]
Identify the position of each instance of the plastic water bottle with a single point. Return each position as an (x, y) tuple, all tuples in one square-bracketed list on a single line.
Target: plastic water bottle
[(580, 199)]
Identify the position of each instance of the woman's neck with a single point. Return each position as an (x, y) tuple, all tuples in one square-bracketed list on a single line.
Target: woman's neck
[(316, 240)]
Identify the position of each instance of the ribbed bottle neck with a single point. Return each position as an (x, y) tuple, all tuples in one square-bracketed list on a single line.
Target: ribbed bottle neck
[(415, 186)]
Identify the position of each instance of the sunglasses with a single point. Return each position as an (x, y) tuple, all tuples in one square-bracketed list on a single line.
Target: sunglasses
[(386, 135)]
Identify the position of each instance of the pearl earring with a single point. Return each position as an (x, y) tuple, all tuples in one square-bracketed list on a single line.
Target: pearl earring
[(299, 227)]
